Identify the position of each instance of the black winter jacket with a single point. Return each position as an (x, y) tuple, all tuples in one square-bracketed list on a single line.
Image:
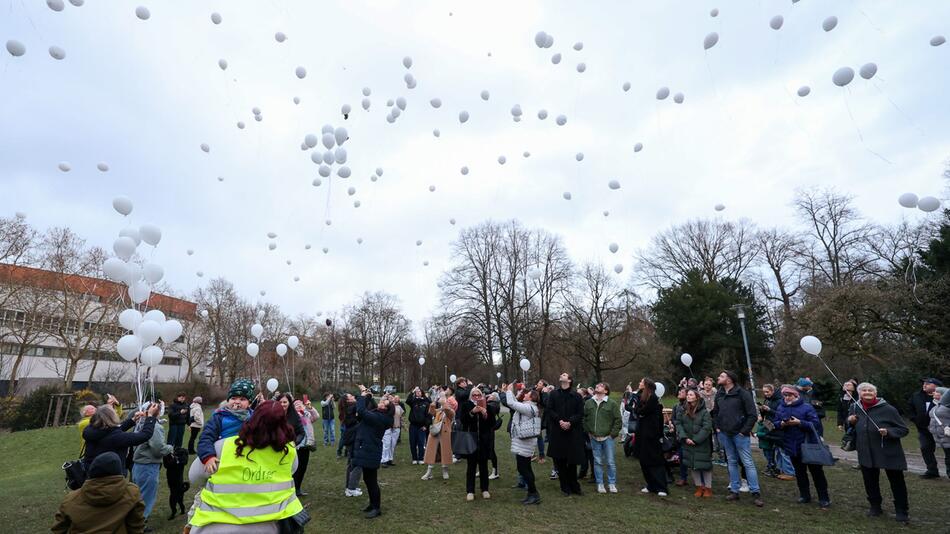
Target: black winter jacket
[(419, 411), (178, 413), (735, 411), (116, 439), (918, 412)]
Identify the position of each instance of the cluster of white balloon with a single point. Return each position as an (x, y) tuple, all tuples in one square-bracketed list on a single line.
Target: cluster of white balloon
[(139, 346), (925, 204), (332, 140)]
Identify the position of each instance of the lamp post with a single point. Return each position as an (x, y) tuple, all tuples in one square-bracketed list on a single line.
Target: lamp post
[(740, 311)]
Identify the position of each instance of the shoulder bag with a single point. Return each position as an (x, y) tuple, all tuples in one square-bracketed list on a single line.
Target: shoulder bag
[(816, 453), (526, 427)]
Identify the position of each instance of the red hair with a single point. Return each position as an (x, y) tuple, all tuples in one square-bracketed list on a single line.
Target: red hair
[(268, 427)]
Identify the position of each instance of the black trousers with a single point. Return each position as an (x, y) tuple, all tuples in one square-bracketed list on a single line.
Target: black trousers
[(588, 466), (655, 476), (524, 469), (817, 474), (493, 458), (567, 475), (928, 449), (872, 486), (476, 462), (303, 460), (176, 434), (191, 441), (370, 478)]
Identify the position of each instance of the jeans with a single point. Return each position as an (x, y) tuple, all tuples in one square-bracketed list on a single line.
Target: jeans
[(770, 455), (604, 454), (817, 475), (525, 472), (784, 463), (339, 448), (417, 442), (145, 476), (389, 444), (872, 486), (328, 428), (738, 450), (541, 444), (928, 448), (176, 434)]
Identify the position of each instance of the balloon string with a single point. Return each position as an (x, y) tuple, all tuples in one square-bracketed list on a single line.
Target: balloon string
[(860, 135), (855, 401), (898, 108), (911, 272)]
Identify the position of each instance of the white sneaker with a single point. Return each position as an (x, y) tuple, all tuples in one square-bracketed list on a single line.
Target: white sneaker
[(413, 462), (445, 474), (601, 488), (427, 475), (493, 475), (612, 488), (353, 493), (486, 495), (662, 494), (744, 488), (470, 497), (644, 490)]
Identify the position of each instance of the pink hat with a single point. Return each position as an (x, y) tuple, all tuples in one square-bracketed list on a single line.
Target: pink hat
[(790, 389)]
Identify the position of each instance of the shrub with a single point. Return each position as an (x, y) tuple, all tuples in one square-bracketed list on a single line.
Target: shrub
[(896, 385), (32, 411)]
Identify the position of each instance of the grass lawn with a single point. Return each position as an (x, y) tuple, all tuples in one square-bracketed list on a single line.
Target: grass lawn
[(31, 483)]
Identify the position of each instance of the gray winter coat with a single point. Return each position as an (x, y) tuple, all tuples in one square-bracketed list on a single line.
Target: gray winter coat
[(522, 411), (874, 451), (152, 451), (939, 429)]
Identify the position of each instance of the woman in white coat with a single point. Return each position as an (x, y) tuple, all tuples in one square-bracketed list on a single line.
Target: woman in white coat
[(525, 427)]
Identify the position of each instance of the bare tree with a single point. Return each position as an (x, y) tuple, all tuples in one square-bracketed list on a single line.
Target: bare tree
[(779, 252), (838, 252)]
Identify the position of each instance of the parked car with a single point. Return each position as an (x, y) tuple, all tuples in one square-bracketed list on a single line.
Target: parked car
[(390, 389), (376, 389)]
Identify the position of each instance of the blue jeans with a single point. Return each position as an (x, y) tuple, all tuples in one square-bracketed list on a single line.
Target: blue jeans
[(784, 462), (328, 429), (770, 454), (417, 442), (145, 476), (339, 447), (738, 449), (541, 444), (604, 454)]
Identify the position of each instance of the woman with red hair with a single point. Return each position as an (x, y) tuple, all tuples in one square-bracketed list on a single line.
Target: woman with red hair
[(253, 486)]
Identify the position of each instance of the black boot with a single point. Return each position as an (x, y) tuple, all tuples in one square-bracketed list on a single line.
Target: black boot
[(902, 517), (375, 512), (874, 511), (171, 516), (368, 508), (533, 498)]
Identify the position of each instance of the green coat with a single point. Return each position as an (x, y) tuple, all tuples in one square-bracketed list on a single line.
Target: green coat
[(603, 419), (699, 429)]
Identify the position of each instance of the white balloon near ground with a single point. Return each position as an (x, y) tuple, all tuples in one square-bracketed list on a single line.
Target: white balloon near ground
[(868, 70), (422, 361), (843, 76), (660, 390), (613, 247), (710, 41), (281, 348), (613, 184), (776, 22), (829, 23), (811, 345), (57, 53), (662, 93), (804, 91), (143, 13), (524, 364), (928, 204), (15, 48), (452, 378), (272, 384)]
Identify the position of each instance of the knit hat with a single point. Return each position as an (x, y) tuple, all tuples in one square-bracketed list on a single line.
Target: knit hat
[(242, 387), (804, 382), (105, 465), (788, 388), (199, 400)]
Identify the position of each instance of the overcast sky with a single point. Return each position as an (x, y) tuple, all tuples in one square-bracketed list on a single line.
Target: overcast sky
[(142, 96)]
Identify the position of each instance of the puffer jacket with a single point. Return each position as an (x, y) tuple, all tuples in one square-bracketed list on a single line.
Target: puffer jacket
[(368, 444), (197, 416), (940, 422), (795, 435), (525, 412), (698, 428)]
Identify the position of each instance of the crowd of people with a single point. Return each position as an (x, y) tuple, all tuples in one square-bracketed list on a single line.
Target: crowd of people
[(578, 428)]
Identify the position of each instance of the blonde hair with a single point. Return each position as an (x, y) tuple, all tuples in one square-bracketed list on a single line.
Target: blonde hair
[(105, 417)]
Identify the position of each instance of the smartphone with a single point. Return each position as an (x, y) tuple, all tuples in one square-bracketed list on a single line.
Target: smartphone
[(306, 399)]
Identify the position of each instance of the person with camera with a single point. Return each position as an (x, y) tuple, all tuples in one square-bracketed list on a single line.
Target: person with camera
[(419, 421), (477, 417), (438, 449), (368, 444), (327, 417), (106, 433), (525, 427), (798, 421)]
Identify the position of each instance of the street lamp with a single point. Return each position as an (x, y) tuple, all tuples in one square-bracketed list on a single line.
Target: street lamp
[(740, 311)]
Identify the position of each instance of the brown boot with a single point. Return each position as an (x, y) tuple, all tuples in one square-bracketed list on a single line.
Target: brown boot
[(699, 491), (707, 492)]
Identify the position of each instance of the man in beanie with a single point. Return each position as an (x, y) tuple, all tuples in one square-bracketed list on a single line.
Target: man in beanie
[(226, 422), (919, 407), (734, 416), (107, 502)]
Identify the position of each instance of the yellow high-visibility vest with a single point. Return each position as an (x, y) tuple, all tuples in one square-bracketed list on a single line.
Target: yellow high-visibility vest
[(254, 490)]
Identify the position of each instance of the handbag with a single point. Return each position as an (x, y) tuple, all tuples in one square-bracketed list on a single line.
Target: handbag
[(293, 524), (526, 427), (666, 444), (75, 471), (816, 453), (436, 427), (463, 443)]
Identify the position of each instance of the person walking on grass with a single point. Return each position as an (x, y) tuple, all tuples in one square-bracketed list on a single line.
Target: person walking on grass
[(439, 441), (368, 453), (919, 406), (694, 431), (799, 423), (878, 430), (196, 418), (647, 446), (107, 502), (419, 421), (602, 425), (477, 416), (734, 416), (525, 427)]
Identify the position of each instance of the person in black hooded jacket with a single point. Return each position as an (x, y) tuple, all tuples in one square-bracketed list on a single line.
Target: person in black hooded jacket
[(177, 420), (106, 434), (565, 418), (419, 421)]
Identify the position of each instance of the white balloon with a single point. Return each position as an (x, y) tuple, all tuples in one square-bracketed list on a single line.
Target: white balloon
[(556, 58), (829, 23), (868, 70), (422, 361), (345, 109), (15, 48), (340, 135), (811, 345), (662, 93), (379, 171), (452, 221), (271, 245), (252, 350), (516, 110), (351, 191), (143, 13), (678, 98), (281, 348), (205, 148), (129, 347), (613, 248), (463, 117), (151, 234), (328, 140), (407, 62), (199, 274), (102, 166), (525, 364), (130, 319), (260, 313), (204, 314), (776, 22), (55, 5), (154, 315), (502, 160), (561, 120), (452, 378), (464, 171), (579, 156), (216, 18), (343, 172), (719, 207), (843, 76), (436, 103), (549, 42), (310, 140), (937, 40), (293, 342), (660, 390), (296, 100), (149, 331), (153, 273), (542, 114), (526, 154), (152, 356), (638, 147), (485, 95), (124, 247), (710, 41), (606, 213), (280, 37), (540, 39), (190, 252), (366, 104), (339, 155), (240, 125), (64, 166), (581, 67), (129, 231), (436, 132), (272, 384), (171, 331), (223, 64), (566, 195), (257, 331), (804, 90), (686, 359), (324, 171), (578, 46), (626, 86), (432, 189), (928, 204), (714, 12), (57, 53), (498, 375), (618, 268), (256, 110), (613, 184), (116, 270)]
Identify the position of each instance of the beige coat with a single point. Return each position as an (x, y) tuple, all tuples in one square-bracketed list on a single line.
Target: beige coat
[(439, 448)]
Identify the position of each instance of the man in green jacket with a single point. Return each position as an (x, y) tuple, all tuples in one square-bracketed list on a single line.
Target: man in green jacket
[(602, 423)]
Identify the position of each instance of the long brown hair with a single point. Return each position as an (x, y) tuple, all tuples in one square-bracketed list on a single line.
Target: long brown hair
[(693, 407), (649, 388), (268, 427)]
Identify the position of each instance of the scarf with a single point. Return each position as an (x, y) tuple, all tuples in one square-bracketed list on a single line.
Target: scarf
[(240, 415), (867, 405)]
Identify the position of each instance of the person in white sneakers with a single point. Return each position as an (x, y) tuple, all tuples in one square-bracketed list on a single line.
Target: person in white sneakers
[(602, 422), (439, 442), (391, 437)]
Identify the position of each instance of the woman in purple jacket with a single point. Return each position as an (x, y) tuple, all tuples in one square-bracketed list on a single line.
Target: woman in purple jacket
[(800, 422)]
